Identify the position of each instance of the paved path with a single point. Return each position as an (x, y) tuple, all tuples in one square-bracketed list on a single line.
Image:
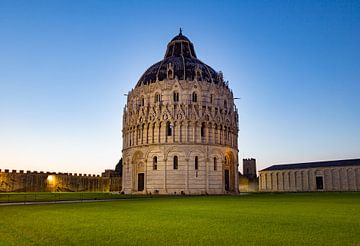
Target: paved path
[(69, 201), (81, 201)]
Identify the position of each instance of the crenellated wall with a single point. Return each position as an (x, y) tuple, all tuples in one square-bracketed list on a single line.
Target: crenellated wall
[(248, 185), (20, 181)]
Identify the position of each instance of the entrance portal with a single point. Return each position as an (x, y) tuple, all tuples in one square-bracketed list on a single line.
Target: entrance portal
[(140, 181), (227, 183), (319, 183)]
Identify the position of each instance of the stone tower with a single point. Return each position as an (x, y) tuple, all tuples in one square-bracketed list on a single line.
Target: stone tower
[(249, 168), (180, 128)]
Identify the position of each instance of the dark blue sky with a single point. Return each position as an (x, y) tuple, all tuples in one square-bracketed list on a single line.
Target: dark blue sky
[(65, 65)]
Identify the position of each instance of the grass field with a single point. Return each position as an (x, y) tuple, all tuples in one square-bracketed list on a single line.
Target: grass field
[(58, 196), (286, 219)]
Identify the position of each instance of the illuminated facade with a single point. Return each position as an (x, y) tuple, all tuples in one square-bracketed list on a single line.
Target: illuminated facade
[(180, 128)]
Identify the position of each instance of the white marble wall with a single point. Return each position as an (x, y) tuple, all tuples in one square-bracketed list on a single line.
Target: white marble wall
[(345, 178)]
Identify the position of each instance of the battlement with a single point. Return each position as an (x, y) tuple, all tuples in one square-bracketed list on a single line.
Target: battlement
[(13, 171), (40, 181), (249, 168)]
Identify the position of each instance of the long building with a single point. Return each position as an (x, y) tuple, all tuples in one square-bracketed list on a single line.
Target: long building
[(339, 175)]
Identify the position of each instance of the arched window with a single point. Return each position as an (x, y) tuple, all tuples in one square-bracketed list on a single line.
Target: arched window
[(196, 163), (175, 162), (203, 130), (176, 96), (142, 101), (194, 97), (168, 129), (170, 74), (211, 98), (225, 104), (215, 164), (137, 134), (157, 97), (155, 163)]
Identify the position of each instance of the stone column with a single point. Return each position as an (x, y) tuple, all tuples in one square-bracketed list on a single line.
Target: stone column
[(219, 134), (198, 131), (179, 136), (133, 177), (327, 179), (124, 138), (223, 132), (209, 134), (152, 130), (207, 175), (214, 133), (132, 136), (312, 184), (232, 139), (165, 167), (236, 172), (159, 133), (208, 130), (264, 181), (145, 177), (281, 181), (137, 135), (187, 176), (223, 175), (174, 132), (187, 132), (128, 134), (331, 179)]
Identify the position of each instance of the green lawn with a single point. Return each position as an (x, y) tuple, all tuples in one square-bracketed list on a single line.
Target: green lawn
[(287, 219), (58, 196)]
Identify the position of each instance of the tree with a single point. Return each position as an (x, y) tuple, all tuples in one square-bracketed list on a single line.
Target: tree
[(118, 168)]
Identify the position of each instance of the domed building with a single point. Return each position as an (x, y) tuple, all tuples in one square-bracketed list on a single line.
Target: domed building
[(180, 128)]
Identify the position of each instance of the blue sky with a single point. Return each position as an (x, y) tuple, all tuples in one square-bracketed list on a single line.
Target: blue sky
[(65, 65)]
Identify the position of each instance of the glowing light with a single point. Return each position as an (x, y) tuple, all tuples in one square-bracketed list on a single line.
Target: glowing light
[(50, 178)]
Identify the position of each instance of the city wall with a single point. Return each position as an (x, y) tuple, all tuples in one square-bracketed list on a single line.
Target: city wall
[(20, 181), (248, 185)]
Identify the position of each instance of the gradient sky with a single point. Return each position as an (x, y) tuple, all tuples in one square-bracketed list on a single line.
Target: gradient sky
[(66, 65)]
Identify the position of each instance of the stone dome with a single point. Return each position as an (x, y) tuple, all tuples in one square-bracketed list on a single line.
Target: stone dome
[(181, 60)]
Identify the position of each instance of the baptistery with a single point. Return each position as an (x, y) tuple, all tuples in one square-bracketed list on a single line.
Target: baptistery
[(180, 128)]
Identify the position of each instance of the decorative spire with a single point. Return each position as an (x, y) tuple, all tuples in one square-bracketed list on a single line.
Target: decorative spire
[(180, 31)]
